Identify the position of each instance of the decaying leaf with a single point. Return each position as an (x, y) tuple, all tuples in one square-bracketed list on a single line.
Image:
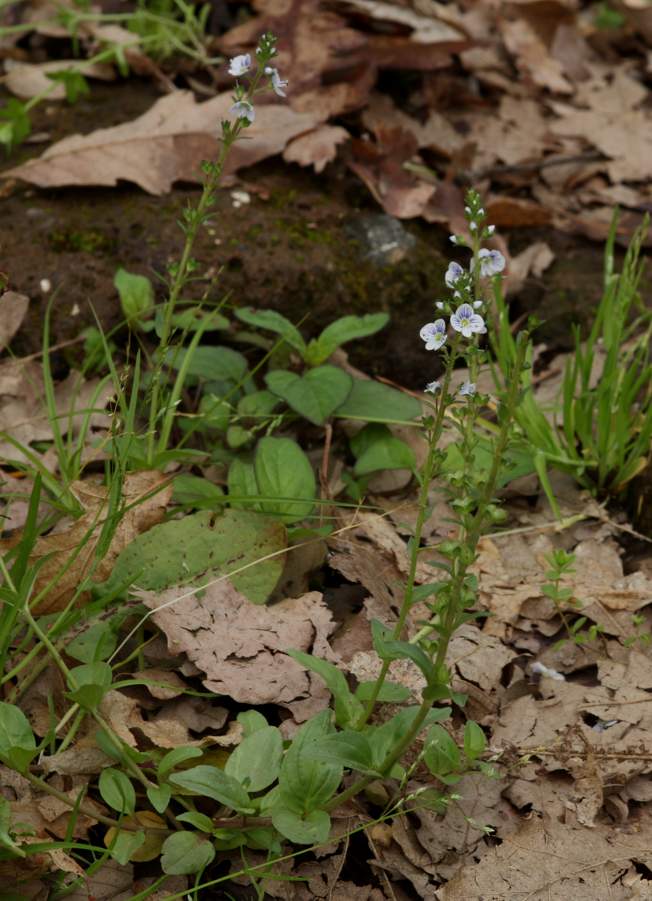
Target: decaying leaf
[(240, 647), (164, 145), (67, 556), (317, 147), (27, 80), (13, 307), (547, 860)]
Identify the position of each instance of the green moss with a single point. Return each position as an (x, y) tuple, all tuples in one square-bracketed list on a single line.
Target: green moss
[(81, 241)]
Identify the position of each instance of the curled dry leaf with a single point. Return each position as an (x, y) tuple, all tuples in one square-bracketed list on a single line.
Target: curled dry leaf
[(27, 80), (547, 860), (13, 307), (317, 147), (164, 145), (240, 647), (67, 556)]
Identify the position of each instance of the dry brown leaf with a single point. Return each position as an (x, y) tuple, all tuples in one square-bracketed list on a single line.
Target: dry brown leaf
[(13, 307), (551, 861), (533, 57), (317, 147), (240, 646), (164, 145), (616, 120), (27, 80), (533, 261), (146, 494)]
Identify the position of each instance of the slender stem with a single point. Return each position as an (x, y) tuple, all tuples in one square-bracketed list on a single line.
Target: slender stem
[(427, 474)]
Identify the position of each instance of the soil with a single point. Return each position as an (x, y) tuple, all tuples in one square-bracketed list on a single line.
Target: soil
[(295, 247)]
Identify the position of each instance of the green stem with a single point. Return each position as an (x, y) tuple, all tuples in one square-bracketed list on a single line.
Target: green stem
[(427, 475)]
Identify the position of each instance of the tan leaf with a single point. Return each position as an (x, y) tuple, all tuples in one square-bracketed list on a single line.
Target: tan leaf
[(13, 307), (164, 145), (240, 646), (547, 860), (317, 147), (27, 80), (74, 547)]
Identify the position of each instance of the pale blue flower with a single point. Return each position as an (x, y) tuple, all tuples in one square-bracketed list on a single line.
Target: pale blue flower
[(240, 64), (434, 334), (491, 262), (466, 321), (477, 304), (278, 83), (432, 387), (244, 110), (467, 389), (453, 272)]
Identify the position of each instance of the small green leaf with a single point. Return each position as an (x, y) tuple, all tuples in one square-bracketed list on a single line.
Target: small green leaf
[(215, 413), (219, 364), (17, 742), (89, 683), (136, 295), (211, 782), (375, 402), (175, 757), (376, 448), (475, 740), (285, 478), (273, 322), (196, 819), (389, 649), (125, 844), (315, 395), (196, 492), (313, 828), (185, 853), (159, 797), (306, 783), (441, 754), (96, 643), (74, 83), (347, 707), (347, 328), (347, 748), (390, 693), (256, 761), (251, 721), (116, 789)]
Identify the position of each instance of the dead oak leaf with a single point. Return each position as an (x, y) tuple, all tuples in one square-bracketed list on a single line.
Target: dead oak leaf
[(615, 122), (240, 647), (27, 80), (164, 145), (317, 147), (13, 307), (551, 861)]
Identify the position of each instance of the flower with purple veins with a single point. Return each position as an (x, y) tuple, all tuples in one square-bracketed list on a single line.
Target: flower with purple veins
[(432, 387), (466, 321), (278, 83), (491, 262), (244, 110), (467, 389), (240, 64), (434, 334), (453, 273)]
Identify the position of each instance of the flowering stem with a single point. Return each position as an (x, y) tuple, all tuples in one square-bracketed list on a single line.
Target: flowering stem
[(426, 476)]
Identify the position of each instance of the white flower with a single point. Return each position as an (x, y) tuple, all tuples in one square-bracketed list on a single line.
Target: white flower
[(432, 387), (491, 262), (434, 334), (467, 389), (240, 64), (452, 239), (453, 272), (481, 212), (467, 322), (490, 230), (467, 210), (278, 83), (472, 226), (244, 110), (439, 304), (476, 303)]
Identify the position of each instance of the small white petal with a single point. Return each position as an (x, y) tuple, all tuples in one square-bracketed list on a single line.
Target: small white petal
[(453, 272), (467, 389), (432, 387), (240, 64)]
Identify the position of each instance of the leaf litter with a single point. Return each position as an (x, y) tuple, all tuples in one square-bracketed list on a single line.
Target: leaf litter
[(570, 810)]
